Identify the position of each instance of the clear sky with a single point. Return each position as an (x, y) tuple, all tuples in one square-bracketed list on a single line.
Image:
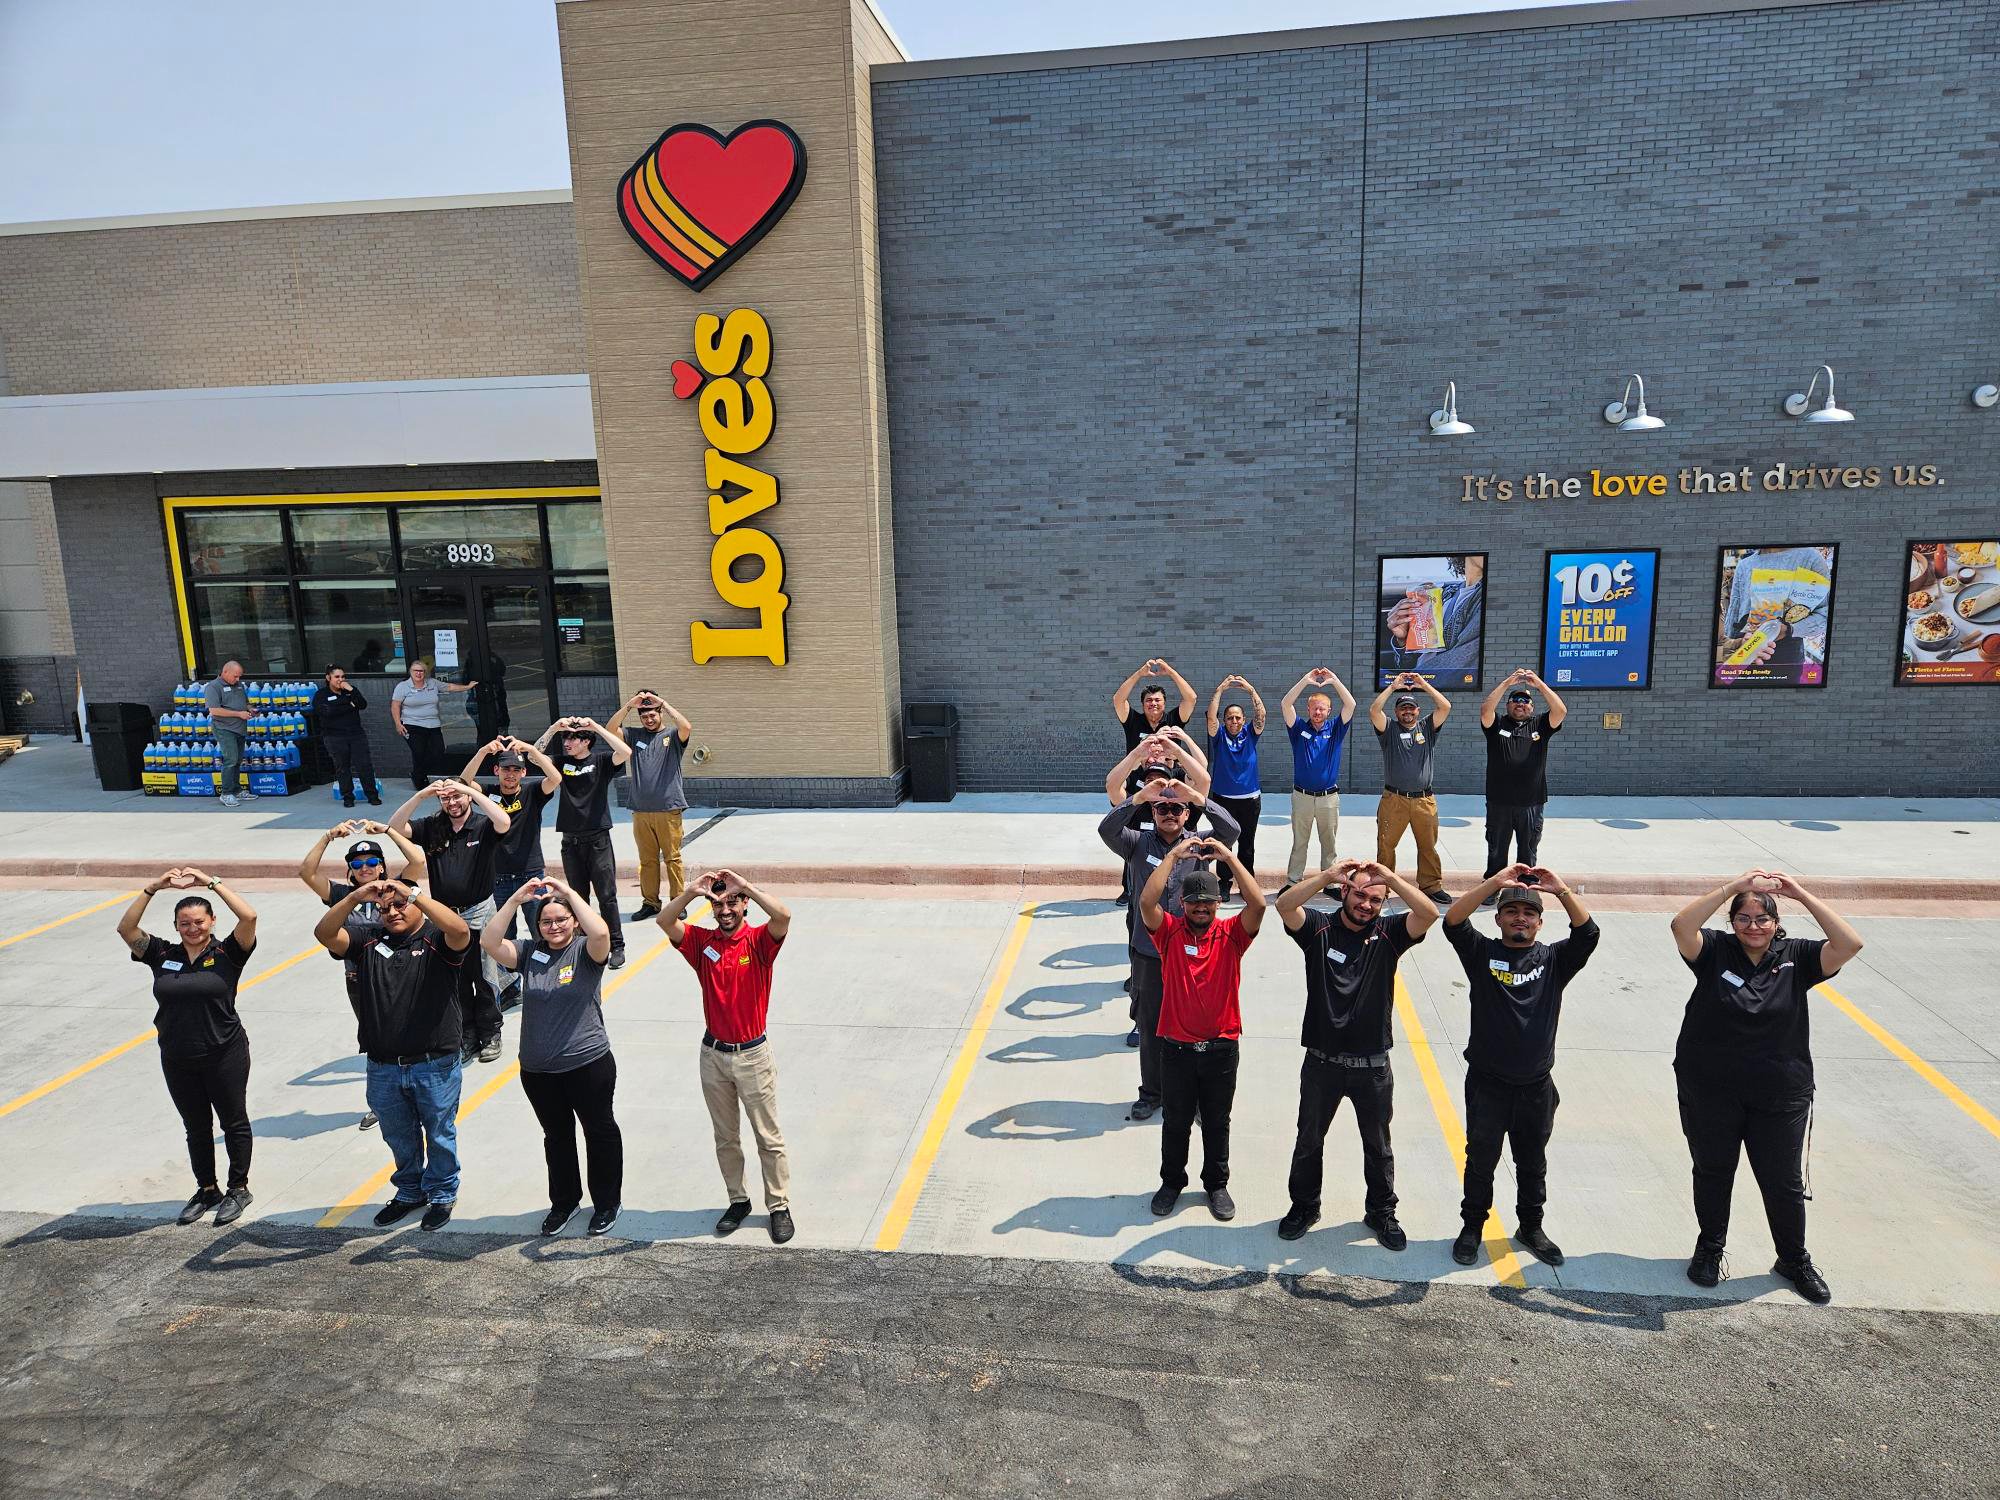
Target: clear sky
[(150, 106)]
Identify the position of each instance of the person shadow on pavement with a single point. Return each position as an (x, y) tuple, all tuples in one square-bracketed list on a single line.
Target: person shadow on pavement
[(298, 1125), (1044, 1049), (1055, 1121), (1064, 1002), (1090, 956)]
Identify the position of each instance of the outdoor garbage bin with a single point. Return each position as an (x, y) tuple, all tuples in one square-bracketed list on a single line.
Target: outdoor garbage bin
[(119, 734), (930, 750)]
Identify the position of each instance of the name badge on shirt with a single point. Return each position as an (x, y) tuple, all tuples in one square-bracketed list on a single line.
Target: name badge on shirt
[(171, 964), (542, 958), (385, 950), (1405, 736), (1506, 734), (1145, 827), (1335, 956), (1152, 859), (1499, 967), (713, 956), (1732, 979), (1191, 950)]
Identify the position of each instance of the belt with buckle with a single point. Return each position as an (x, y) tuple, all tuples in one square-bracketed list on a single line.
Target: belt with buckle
[(1332, 791), (1398, 791), (708, 1040), (1351, 1059), (1213, 1044), (394, 1060)]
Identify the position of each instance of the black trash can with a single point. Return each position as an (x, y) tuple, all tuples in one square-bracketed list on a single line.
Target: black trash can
[(119, 734), (930, 750)]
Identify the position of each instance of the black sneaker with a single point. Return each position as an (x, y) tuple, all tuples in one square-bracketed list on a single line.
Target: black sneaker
[(1387, 1230), (1465, 1249), (1124, 899), (436, 1217), (1490, 900), (230, 1209), (1805, 1279), (1164, 1201), (396, 1210), (1705, 1268), (1142, 1109), (347, 802), (617, 959), (203, 1200), (1221, 1204), (557, 1218), (1294, 1224), (367, 1122), (489, 1050), (602, 1219), (732, 1217), (1440, 897), (1132, 1037), (645, 913), (782, 1228), (374, 801), (1531, 1238)]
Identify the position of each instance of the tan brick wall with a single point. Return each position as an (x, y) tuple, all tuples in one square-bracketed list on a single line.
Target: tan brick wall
[(450, 293)]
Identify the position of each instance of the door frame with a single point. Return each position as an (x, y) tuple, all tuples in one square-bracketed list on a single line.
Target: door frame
[(470, 581)]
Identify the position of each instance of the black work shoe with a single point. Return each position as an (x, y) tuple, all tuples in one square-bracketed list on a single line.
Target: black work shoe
[(602, 1219), (374, 801), (1221, 1204), (617, 959), (1531, 1238), (1387, 1230), (733, 1217), (1164, 1201), (1440, 897), (1132, 1037), (367, 1121), (203, 1200), (782, 1228), (645, 913), (347, 802), (396, 1210), (1124, 899), (1705, 1268), (230, 1209), (557, 1218), (1295, 1224), (436, 1217), (1142, 1109), (489, 1050), (1465, 1249), (1805, 1279)]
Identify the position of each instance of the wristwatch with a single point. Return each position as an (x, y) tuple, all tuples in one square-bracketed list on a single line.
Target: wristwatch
[(214, 881)]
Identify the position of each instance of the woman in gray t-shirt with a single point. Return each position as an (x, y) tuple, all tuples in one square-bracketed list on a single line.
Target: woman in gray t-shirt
[(567, 1070), (413, 707)]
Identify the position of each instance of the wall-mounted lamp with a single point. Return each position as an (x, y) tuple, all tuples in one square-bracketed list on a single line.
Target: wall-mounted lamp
[(1798, 401), (1986, 396), (1620, 415), (1444, 421)]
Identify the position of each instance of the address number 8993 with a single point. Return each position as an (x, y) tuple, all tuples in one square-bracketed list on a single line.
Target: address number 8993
[(468, 552)]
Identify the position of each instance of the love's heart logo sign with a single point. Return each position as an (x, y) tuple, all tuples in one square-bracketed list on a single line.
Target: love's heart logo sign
[(697, 200)]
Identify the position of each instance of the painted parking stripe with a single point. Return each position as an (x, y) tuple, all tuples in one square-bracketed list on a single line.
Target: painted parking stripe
[(1978, 1112), (88, 911)]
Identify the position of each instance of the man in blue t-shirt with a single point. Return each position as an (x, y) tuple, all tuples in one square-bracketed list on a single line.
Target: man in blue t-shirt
[(1316, 744), (1232, 763)]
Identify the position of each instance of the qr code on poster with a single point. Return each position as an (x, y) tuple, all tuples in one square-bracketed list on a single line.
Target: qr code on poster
[(1562, 674)]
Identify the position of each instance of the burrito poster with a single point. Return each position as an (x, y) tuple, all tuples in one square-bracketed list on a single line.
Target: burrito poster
[(1951, 614)]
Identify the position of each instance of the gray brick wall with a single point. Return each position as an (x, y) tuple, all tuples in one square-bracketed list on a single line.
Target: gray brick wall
[(1131, 414)]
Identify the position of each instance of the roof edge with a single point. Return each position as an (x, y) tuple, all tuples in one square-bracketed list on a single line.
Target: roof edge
[(290, 211)]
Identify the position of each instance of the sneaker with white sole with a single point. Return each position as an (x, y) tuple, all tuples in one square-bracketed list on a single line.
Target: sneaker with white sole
[(228, 799)]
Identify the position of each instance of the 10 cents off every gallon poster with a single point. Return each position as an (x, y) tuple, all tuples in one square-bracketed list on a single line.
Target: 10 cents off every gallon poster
[(1597, 619)]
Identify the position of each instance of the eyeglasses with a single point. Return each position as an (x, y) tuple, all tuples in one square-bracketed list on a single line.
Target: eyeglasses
[(1753, 919)]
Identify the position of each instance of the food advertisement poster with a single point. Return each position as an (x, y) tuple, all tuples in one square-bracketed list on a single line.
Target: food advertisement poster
[(1951, 613), (1773, 615), (1431, 618), (1597, 619)]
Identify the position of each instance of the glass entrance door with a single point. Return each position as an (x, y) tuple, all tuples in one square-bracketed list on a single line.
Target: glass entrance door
[(492, 632)]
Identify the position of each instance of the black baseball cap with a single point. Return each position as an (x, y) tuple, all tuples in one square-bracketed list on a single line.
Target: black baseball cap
[(1402, 698), (361, 847), (1200, 885), (1519, 895), (508, 758)]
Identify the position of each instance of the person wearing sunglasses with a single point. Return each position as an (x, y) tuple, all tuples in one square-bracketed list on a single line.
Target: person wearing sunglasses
[(1743, 1064)]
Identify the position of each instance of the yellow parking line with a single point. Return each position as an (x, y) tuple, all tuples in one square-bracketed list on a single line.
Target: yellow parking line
[(22, 937), (897, 1221), (1983, 1116), (1499, 1249)]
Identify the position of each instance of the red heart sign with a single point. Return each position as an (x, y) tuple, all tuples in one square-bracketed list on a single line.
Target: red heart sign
[(697, 200), (687, 379)]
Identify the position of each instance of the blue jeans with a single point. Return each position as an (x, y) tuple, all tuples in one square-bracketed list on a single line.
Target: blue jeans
[(417, 1104), (504, 886)]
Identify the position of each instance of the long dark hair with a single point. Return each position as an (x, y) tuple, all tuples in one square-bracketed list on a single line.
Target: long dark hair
[(1764, 901)]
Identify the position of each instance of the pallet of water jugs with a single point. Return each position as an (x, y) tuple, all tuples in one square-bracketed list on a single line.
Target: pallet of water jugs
[(183, 761)]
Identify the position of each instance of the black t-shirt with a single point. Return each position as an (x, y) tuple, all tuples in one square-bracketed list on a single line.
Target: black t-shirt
[(460, 860), (521, 844), (1136, 729), (1747, 1026), (1517, 760), (406, 992), (1350, 981), (1517, 996), (586, 792), (196, 1001)]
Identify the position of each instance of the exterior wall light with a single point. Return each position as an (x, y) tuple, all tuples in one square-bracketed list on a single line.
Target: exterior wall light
[(1444, 421), (1798, 401), (1986, 396), (1620, 415)]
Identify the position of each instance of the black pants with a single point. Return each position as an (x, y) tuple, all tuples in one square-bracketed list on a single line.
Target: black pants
[(587, 862), (1523, 825), (1720, 1127), (351, 757), (1244, 810), (207, 1089), (478, 1004), (426, 753), (1146, 1016), (1522, 1114), (561, 1101), (1196, 1083), (1322, 1085)]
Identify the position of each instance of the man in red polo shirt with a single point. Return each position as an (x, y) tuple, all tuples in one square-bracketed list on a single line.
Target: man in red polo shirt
[(1201, 971), (733, 961)]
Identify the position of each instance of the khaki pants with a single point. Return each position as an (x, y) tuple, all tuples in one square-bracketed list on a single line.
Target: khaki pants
[(1310, 812), (750, 1080), (1420, 815), (659, 837)]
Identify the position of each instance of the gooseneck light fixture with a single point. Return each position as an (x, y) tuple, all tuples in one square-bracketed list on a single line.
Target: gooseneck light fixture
[(1625, 418), (1444, 421), (1797, 403), (1986, 397)]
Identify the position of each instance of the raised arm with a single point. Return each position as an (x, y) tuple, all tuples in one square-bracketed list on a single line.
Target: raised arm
[(1461, 910), (1155, 889), (779, 914), (309, 867), (495, 813), (491, 940), (1186, 751), (1686, 925), (1558, 710), (330, 932), (1547, 880), (1288, 706), (470, 775), (129, 931), (630, 705), (1252, 915), (1257, 705), (1376, 716), (672, 919), (1292, 899), (1189, 702), (596, 931), (1423, 911), (682, 726), (399, 820), (1440, 705), (245, 930), (1842, 941), (1489, 706), (457, 932), (538, 758), (415, 865), (1215, 706), (1121, 699), (1340, 691), (620, 751)]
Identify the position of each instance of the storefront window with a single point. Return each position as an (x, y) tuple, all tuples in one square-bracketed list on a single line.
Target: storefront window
[(230, 543), (470, 536), (353, 625), (576, 537), (583, 627), (342, 539), (247, 622)]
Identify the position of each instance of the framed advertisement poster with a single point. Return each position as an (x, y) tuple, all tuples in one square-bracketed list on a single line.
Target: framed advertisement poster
[(1430, 618), (1951, 614), (1597, 618), (1773, 615)]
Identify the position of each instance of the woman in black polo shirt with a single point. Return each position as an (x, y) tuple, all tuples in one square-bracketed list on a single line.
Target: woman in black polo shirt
[(1744, 1062), (204, 1050)]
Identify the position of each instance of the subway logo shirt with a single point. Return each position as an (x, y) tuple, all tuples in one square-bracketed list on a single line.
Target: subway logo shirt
[(1517, 996)]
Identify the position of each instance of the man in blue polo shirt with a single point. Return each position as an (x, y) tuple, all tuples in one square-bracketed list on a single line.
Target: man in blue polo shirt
[(1316, 744)]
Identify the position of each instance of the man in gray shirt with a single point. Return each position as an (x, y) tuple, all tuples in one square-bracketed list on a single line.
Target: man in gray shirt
[(1407, 801), (229, 717), (658, 796)]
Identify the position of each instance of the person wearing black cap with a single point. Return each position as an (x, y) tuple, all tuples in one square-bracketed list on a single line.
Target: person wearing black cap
[(1743, 1064), (204, 1050), (590, 757), (1517, 765), (522, 799), (1407, 801), (1200, 1019), (1350, 956), (461, 842), (1517, 984)]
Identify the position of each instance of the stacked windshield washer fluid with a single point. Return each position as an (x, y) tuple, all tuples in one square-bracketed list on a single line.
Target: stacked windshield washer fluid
[(184, 760)]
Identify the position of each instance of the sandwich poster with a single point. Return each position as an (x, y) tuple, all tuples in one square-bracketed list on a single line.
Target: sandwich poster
[(1951, 613), (1773, 615)]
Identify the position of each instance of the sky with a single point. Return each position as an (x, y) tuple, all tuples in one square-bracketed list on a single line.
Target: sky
[(114, 107)]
